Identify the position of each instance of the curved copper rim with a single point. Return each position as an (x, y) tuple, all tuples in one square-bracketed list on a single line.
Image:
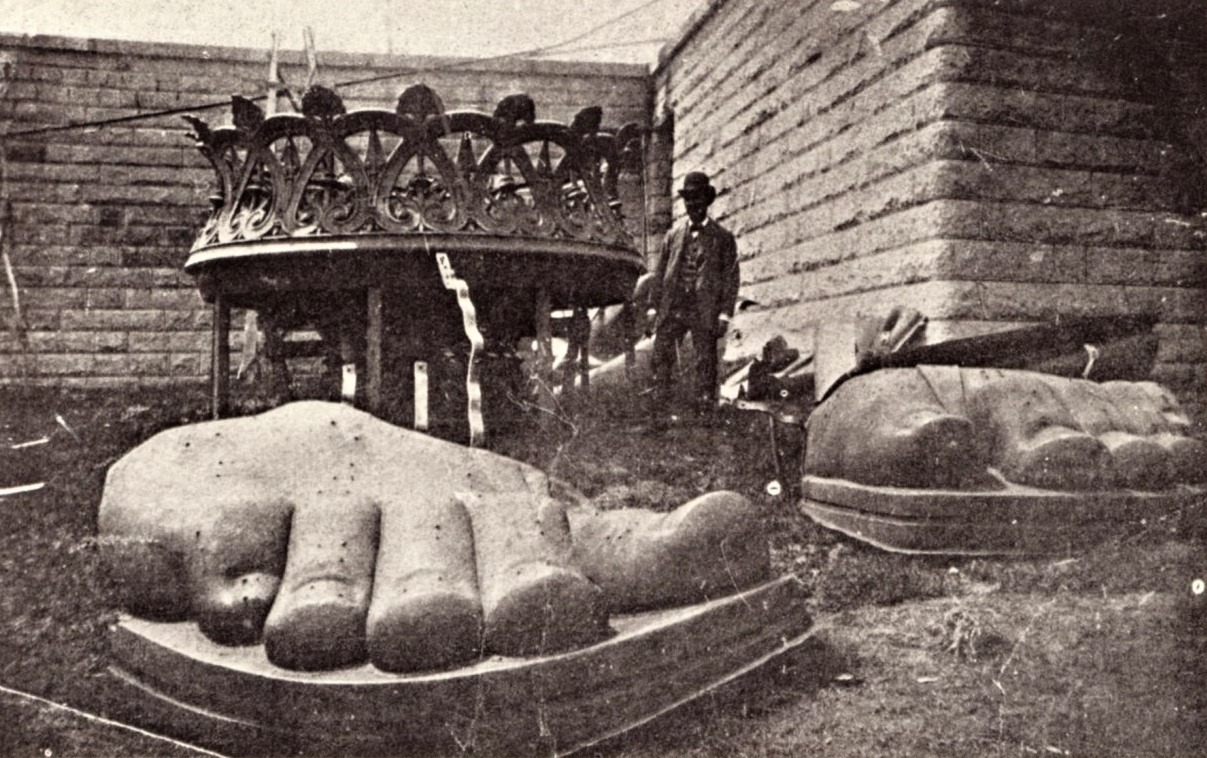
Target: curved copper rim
[(393, 243)]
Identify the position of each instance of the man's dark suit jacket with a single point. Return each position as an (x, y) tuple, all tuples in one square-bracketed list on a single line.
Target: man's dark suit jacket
[(717, 281)]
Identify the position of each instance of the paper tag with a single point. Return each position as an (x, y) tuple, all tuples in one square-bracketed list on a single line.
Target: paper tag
[(446, 269), (469, 322), (348, 385), (421, 399)]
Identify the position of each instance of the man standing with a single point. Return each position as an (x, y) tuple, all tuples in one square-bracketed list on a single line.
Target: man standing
[(694, 289)]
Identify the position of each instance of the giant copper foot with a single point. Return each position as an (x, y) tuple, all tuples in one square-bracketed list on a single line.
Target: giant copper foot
[(336, 538)]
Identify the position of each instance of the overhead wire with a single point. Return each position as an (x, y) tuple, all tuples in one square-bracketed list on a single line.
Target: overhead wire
[(616, 45), (459, 64), (532, 52)]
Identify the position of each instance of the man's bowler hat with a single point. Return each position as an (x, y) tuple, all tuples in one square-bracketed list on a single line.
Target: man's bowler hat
[(696, 185)]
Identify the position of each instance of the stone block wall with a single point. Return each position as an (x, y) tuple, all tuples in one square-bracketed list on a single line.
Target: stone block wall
[(102, 218), (988, 162)]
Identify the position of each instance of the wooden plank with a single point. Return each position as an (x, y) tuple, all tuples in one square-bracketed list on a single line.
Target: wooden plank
[(543, 318), (220, 363), (373, 351), (1039, 344), (583, 333)]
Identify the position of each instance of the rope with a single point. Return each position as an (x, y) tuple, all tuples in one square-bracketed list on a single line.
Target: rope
[(107, 722)]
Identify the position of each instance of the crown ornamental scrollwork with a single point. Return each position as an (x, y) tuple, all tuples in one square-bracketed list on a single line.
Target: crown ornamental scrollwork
[(417, 169)]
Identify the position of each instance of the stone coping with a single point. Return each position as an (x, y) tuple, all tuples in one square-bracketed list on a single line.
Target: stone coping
[(334, 59)]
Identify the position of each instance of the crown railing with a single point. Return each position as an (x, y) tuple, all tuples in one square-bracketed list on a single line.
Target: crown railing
[(415, 170)]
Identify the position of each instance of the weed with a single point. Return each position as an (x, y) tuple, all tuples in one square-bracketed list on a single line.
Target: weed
[(855, 576), (967, 632)]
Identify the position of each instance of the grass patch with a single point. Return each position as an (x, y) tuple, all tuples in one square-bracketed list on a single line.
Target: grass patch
[(1102, 652)]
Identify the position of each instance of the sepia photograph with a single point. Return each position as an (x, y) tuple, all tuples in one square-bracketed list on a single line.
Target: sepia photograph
[(610, 378)]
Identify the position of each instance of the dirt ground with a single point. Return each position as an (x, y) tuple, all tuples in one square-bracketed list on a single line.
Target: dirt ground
[(1101, 652)]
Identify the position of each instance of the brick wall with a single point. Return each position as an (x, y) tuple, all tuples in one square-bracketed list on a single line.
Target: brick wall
[(989, 162), (102, 219)]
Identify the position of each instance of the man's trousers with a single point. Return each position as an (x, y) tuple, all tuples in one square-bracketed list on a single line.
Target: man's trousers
[(704, 338)]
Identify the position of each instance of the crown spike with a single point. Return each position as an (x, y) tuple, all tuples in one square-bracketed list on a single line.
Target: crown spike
[(466, 162), (375, 155), (290, 158)]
